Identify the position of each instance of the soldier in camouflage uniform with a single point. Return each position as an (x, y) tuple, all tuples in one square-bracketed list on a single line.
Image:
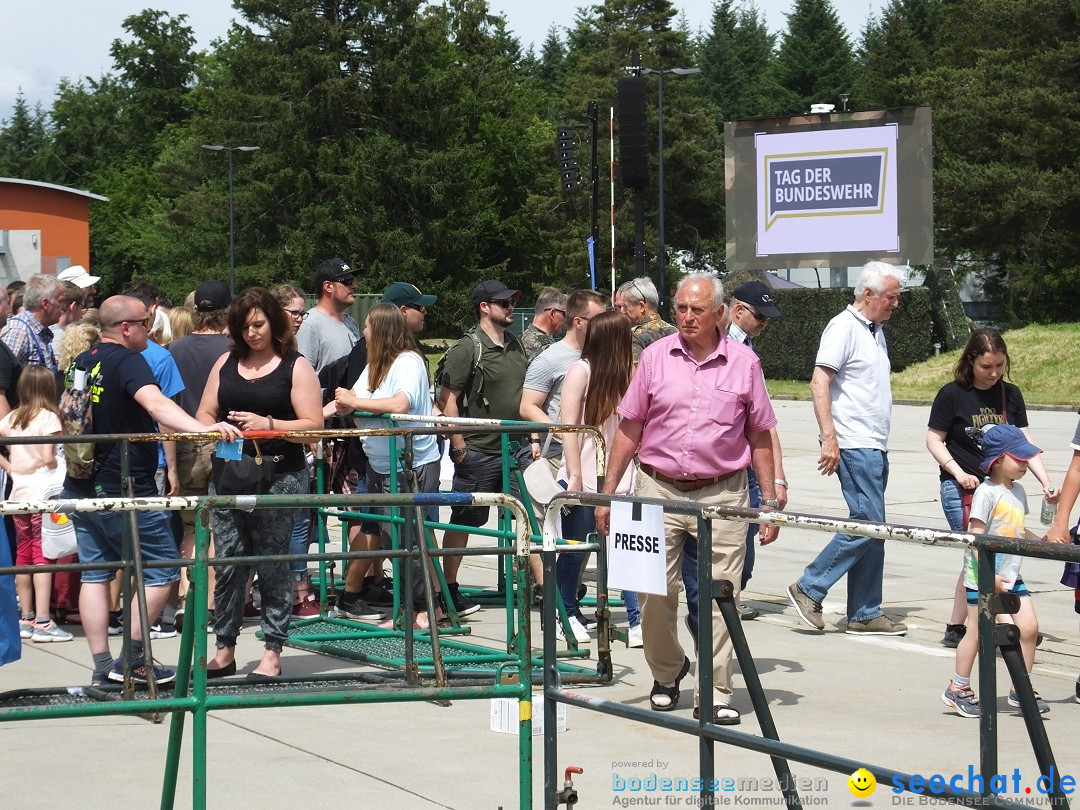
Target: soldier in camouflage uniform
[(548, 318), (638, 301)]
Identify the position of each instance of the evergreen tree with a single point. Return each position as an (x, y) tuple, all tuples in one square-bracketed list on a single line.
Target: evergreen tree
[(814, 63), (24, 143), (735, 58), (893, 52)]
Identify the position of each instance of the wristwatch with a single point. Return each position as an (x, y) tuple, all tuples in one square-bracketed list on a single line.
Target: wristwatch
[(772, 503)]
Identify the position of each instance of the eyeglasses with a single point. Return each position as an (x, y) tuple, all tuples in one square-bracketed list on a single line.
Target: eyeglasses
[(422, 310), (146, 322), (297, 314), (560, 311), (504, 304), (585, 318), (760, 318)]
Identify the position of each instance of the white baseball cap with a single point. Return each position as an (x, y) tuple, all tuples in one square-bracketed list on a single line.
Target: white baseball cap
[(78, 276)]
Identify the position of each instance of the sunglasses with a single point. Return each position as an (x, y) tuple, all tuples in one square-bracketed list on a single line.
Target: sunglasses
[(418, 308), (508, 304), (146, 322), (348, 281), (297, 314), (757, 315), (559, 311)]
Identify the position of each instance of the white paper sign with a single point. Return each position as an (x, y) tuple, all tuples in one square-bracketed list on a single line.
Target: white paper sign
[(637, 553)]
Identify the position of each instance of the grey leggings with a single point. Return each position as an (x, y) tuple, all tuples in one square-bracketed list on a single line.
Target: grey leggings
[(261, 531)]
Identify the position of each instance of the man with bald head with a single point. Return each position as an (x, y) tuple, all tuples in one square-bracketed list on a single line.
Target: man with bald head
[(126, 399)]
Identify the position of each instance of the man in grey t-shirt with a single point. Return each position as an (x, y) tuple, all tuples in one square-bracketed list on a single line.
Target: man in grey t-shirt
[(541, 396), (328, 333)]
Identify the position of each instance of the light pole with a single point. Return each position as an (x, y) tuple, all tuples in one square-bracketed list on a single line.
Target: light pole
[(662, 285), (232, 238)]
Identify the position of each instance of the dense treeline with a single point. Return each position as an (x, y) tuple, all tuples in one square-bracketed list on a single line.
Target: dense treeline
[(417, 139)]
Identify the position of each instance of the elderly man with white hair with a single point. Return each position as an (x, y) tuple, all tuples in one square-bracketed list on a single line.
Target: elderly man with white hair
[(853, 406)]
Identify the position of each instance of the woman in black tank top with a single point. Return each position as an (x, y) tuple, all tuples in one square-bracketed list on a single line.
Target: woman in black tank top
[(262, 384)]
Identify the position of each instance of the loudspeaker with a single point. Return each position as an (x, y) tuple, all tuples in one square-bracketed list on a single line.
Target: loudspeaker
[(633, 142)]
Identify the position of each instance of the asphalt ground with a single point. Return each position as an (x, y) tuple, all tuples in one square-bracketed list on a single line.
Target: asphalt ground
[(872, 700)]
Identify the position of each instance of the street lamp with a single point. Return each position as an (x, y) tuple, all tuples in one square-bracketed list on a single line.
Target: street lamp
[(660, 169), (232, 238)]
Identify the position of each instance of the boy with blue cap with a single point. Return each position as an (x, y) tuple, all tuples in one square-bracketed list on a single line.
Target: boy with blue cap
[(998, 507)]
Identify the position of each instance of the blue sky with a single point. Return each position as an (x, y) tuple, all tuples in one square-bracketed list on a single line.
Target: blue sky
[(42, 41)]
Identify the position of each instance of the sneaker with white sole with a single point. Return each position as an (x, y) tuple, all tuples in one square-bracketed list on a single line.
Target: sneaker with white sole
[(577, 628), (809, 610), (1014, 701), (878, 626), (961, 699), (26, 628), (45, 633), (163, 630), (140, 673), (351, 606), (116, 622), (633, 637)]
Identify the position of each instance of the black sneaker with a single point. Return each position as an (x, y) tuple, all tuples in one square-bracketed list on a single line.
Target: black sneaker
[(351, 606), (462, 604), (116, 622), (953, 634), (376, 595), (1078, 690), (163, 630), (139, 673)]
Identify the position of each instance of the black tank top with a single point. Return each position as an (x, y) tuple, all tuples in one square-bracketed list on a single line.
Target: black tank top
[(269, 395)]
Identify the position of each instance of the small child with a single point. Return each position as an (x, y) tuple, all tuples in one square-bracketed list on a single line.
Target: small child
[(33, 468), (998, 507)]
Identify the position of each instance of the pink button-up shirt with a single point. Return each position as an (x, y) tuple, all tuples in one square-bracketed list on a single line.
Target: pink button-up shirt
[(697, 415)]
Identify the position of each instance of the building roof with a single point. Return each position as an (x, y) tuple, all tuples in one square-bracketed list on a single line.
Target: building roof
[(54, 187)]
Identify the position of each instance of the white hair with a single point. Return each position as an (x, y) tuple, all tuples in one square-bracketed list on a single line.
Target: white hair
[(638, 290), (873, 277), (705, 278)]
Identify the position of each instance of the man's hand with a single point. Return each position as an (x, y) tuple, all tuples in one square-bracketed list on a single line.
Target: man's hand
[(829, 460), (603, 519)]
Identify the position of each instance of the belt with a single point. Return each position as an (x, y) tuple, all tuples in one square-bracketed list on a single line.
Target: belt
[(684, 484)]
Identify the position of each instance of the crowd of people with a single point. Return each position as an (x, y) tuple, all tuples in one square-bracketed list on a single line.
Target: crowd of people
[(682, 408)]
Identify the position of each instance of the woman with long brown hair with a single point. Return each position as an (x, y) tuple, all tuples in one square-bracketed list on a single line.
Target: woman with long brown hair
[(591, 391), (264, 371), (978, 396)]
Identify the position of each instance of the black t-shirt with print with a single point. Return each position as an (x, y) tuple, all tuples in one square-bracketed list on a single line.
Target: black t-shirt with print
[(955, 409)]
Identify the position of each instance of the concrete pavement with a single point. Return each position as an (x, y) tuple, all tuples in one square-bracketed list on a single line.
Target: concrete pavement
[(871, 699)]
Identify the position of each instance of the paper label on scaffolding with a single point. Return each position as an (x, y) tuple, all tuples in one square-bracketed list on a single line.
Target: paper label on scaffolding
[(637, 553)]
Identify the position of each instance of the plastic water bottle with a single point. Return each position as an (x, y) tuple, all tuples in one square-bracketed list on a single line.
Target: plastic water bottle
[(1049, 511), (1009, 569)]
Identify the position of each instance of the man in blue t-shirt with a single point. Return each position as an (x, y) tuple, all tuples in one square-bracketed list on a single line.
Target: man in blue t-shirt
[(127, 400)]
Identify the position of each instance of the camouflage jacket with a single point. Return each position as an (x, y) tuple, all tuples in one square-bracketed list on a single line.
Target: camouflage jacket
[(535, 341), (652, 328)]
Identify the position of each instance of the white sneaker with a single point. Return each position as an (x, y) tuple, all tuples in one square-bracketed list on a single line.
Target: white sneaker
[(577, 628), (633, 637), (46, 633)]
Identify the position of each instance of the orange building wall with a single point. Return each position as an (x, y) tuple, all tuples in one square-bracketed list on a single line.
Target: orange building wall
[(62, 218)]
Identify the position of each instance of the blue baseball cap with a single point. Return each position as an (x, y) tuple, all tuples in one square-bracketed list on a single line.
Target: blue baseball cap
[(1000, 440)]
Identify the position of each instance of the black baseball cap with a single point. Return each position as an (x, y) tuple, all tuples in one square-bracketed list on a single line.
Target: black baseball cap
[(492, 290), (334, 269), (210, 296), (758, 295), (404, 294)]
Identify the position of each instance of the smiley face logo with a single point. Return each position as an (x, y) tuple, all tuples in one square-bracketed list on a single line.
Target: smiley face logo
[(862, 784)]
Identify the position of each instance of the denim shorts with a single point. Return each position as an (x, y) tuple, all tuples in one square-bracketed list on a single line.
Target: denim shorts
[(101, 535), (1018, 588)]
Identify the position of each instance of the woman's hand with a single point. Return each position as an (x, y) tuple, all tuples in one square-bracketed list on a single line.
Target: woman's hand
[(246, 420), (573, 483), (967, 481), (1051, 494), (229, 432), (346, 401)]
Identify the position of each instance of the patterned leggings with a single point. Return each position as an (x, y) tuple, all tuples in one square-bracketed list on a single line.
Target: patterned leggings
[(259, 532)]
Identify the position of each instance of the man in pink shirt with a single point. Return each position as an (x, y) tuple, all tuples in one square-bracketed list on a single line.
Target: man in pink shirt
[(697, 415)]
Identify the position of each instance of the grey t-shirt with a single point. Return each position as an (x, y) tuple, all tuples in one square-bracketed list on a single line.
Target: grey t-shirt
[(546, 373), (322, 339)]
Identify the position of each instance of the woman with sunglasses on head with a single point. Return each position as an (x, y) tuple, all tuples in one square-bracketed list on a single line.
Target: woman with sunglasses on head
[(977, 396), (395, 380), (265, 372)]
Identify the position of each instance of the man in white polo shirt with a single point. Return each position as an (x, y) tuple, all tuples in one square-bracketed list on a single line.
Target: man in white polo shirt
[(853, 406)]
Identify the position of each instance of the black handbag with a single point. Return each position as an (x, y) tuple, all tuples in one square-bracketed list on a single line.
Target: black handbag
[(248, 475)]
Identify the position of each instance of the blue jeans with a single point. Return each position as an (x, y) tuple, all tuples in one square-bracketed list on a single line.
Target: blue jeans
[(863, 475), (689, 561), (577, 525), (951, 492), (633, 610)]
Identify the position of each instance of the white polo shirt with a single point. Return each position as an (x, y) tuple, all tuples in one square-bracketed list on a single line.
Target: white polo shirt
[(860, 390)]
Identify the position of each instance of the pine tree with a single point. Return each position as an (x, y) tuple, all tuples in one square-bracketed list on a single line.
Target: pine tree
[(814, 63)]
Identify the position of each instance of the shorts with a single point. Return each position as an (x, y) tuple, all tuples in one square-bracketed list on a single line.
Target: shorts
[(28, 540), (477, 472), (193, 469), (1018, 588), (101, 536), (366, 526)]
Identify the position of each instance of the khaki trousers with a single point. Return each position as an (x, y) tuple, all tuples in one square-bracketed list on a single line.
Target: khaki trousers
[(659, 614)]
